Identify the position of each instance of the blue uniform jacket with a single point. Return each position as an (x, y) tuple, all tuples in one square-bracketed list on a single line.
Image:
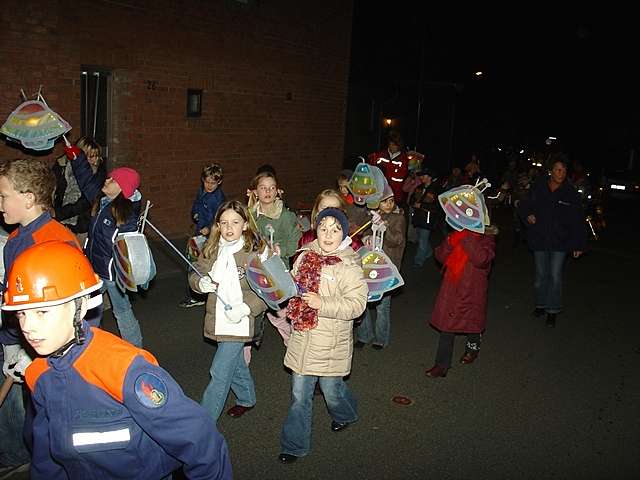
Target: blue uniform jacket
[(121, 418), (205, 207), (42, 229), (102, 228)]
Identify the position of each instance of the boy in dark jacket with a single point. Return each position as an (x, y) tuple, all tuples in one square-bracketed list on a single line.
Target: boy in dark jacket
[(26, 189), (209, 198)]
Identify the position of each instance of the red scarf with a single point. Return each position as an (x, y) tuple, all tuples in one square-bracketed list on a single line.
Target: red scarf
[(302, 316), (458, 258)]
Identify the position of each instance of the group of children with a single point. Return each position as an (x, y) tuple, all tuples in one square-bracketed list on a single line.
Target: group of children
[(54, 308)]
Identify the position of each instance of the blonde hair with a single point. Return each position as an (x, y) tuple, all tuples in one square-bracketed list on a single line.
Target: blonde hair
[(252, 241), (253, 186), (329, 192), (88, 145), (28, 175)]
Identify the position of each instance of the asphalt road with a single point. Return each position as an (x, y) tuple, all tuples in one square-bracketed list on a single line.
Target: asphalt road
[(538, 403)]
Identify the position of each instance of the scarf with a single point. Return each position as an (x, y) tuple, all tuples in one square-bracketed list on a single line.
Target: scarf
[(273, 210), (302, 316), (458, 258), (225, 273)]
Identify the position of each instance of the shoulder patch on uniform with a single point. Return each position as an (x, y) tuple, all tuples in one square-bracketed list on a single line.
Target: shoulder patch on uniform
[(151, 391)]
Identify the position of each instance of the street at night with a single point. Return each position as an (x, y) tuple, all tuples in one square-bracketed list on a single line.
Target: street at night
[(421, 224), (538, 403)]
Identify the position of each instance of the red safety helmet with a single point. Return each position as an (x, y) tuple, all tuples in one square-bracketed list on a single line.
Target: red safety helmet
[(48, 274)]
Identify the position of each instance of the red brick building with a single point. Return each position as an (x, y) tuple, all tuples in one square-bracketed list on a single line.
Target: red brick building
[(273, 77)]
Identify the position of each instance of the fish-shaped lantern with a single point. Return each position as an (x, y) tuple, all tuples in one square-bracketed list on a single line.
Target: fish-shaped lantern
[(465, 208), (367, 184), (380, 273)]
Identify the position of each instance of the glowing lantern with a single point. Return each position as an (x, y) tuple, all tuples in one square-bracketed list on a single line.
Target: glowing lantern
[(34, 125)]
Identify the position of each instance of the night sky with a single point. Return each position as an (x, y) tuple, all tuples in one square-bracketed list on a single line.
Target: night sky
[(571, 75)]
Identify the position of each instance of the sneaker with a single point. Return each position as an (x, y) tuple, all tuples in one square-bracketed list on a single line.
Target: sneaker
[(190, 302)]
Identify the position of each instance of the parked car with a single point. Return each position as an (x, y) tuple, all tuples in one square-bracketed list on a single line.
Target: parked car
[(620, 183)]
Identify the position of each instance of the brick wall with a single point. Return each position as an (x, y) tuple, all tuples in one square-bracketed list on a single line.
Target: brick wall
[(274, 76)]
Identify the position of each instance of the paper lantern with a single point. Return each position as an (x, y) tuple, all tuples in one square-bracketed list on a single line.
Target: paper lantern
[(270, 279), (380, 273), (465, 208), (34, 125), (195, 246), (367, 183), (133, 261), (415, 160)]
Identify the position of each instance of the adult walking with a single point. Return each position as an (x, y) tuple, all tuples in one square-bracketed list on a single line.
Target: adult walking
[(553, 216)]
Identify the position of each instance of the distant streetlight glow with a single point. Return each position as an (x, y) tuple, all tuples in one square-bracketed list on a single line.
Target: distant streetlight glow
[(479, 73), (388, 122), (522, 151)]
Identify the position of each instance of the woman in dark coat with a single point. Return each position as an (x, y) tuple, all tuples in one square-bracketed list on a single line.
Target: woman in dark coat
[(552, 213)]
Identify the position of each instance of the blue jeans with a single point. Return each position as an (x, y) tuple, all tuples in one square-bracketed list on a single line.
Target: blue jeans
[(13, 451), (381, 335), (423, 251), (127, 322), (296, 431), (548, 281), (229, 371)]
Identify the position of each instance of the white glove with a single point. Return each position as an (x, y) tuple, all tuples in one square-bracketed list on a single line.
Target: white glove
[(375, 217), (237, 312), (206, 285), (16, 362)]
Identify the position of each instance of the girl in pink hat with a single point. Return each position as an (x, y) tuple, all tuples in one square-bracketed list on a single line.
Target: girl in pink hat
[(116, 208)]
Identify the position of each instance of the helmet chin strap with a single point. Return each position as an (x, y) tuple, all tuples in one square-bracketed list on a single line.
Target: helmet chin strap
[(78, 332)]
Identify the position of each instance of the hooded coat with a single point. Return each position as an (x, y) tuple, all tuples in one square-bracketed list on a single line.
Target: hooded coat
[(461, 306)]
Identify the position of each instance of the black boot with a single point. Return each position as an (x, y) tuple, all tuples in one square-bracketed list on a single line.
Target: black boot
[(551, 320)]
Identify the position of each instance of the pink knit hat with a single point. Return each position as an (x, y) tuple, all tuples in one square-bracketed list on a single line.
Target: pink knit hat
[(127, 178)]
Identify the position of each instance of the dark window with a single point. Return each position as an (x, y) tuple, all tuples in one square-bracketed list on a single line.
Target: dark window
[(194, 103), (95, 111)]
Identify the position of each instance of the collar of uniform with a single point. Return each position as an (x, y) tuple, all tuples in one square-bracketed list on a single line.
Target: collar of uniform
[(36, 224), (68, 359)]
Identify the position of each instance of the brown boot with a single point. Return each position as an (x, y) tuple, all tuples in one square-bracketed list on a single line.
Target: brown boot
[(437, 372), (469, 357)]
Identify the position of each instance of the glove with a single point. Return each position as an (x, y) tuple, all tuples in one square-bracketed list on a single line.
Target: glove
[(16, 362), (375, 218), (237, 312), (72, 152), (206, 285)]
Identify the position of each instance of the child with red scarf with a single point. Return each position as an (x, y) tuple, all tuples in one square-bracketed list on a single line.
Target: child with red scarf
[(329, 274), (466, 255)]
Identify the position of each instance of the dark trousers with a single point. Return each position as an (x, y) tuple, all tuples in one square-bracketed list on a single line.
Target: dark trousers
[(445, 347)]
